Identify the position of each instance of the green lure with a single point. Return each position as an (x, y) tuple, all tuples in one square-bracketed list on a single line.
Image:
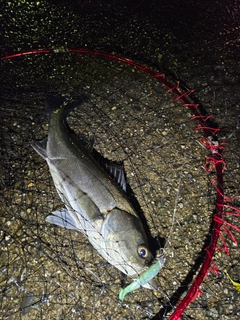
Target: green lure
[(145, 277), (235, 284)]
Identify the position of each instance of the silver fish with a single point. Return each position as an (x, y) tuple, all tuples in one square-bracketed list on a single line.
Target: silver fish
[(94, 203)]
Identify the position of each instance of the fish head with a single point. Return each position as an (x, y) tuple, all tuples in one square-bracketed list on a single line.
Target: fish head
[(126, 244)]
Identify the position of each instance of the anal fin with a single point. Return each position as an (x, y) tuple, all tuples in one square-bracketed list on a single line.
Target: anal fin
[(63, 218)]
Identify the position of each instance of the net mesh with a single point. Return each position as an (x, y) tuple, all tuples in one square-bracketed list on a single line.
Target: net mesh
[(49, 272)]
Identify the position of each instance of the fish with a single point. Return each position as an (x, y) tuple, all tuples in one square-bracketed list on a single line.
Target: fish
[(94, 197)]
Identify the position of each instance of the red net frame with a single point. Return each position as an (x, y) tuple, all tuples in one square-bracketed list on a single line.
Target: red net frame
[(214, 162)]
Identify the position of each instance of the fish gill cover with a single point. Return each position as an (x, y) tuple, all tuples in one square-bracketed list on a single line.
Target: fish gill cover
[(184, 178)]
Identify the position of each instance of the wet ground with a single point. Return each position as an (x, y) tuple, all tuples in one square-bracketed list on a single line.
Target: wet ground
[(51, 273)]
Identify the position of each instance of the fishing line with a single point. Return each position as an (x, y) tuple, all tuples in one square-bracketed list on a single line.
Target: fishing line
[(174, 219)]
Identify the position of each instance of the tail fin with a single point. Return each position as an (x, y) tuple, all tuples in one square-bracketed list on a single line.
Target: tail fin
[(63, 104)]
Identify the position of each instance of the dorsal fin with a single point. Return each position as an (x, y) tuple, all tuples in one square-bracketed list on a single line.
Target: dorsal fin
[(113, 168)]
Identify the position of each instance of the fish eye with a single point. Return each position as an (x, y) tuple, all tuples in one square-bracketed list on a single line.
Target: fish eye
[(143, 251)]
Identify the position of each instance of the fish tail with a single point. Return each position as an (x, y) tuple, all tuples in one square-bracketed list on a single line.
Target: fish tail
[(62, 106)]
